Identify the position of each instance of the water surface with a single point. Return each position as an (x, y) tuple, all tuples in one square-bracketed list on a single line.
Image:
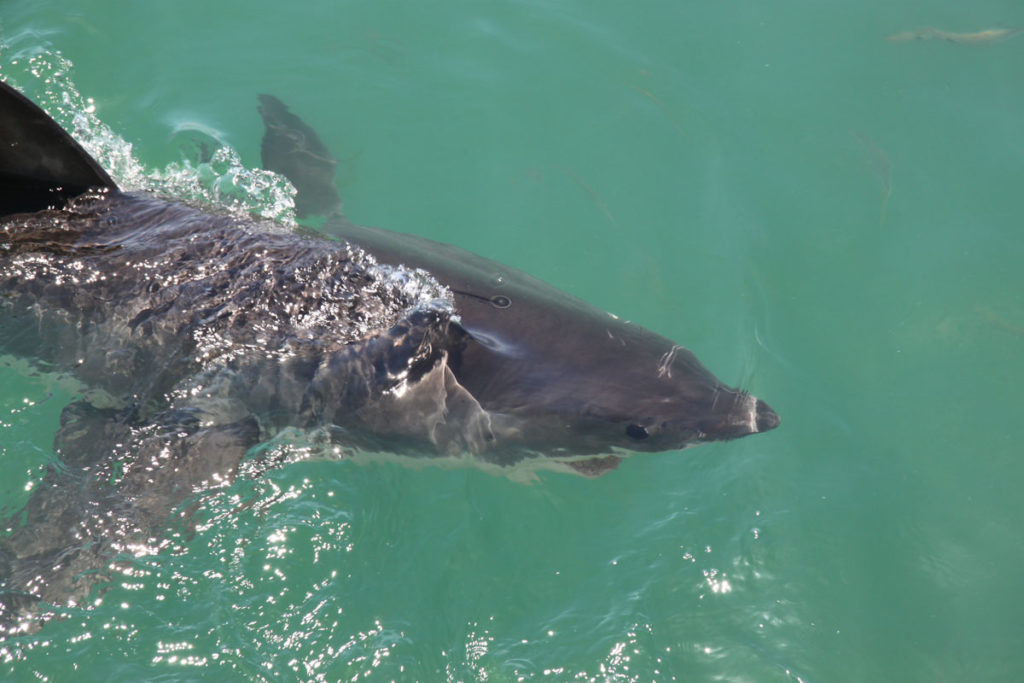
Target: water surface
[(828, 218)]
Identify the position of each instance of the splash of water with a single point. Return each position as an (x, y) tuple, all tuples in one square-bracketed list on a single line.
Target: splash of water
[(211, 174)]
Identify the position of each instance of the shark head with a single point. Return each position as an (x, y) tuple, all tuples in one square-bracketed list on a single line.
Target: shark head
[(589, 383), (524, 371)]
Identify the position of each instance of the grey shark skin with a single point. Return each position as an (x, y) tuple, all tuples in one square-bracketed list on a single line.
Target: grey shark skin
[(197, 336), (523, 357)]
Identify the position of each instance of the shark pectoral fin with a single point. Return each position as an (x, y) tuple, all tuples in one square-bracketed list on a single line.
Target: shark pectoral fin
[(182, 459), (436, 409), (86, 432), (50, 542), (80, 518), (87, 443)]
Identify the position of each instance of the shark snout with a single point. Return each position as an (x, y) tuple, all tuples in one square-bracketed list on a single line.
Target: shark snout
[(742, 416), (765, 418)]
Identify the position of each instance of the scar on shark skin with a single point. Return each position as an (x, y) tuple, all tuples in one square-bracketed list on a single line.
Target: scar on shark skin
[(986, 37)]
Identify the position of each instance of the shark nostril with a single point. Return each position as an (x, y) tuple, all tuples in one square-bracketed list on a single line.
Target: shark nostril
[(636, 432)]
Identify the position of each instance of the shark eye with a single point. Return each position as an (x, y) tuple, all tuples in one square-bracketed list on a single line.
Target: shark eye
[(636, 432)]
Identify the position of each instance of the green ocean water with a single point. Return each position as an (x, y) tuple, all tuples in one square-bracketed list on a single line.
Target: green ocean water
[(830, 219)]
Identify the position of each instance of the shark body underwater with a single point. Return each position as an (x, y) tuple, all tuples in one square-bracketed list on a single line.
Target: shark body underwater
[(197, 336)]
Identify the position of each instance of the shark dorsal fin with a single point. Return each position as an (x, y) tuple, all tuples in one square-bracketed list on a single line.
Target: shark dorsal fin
[(41, 166)]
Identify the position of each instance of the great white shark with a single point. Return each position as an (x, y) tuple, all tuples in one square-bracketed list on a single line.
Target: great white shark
[(196, 335)]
